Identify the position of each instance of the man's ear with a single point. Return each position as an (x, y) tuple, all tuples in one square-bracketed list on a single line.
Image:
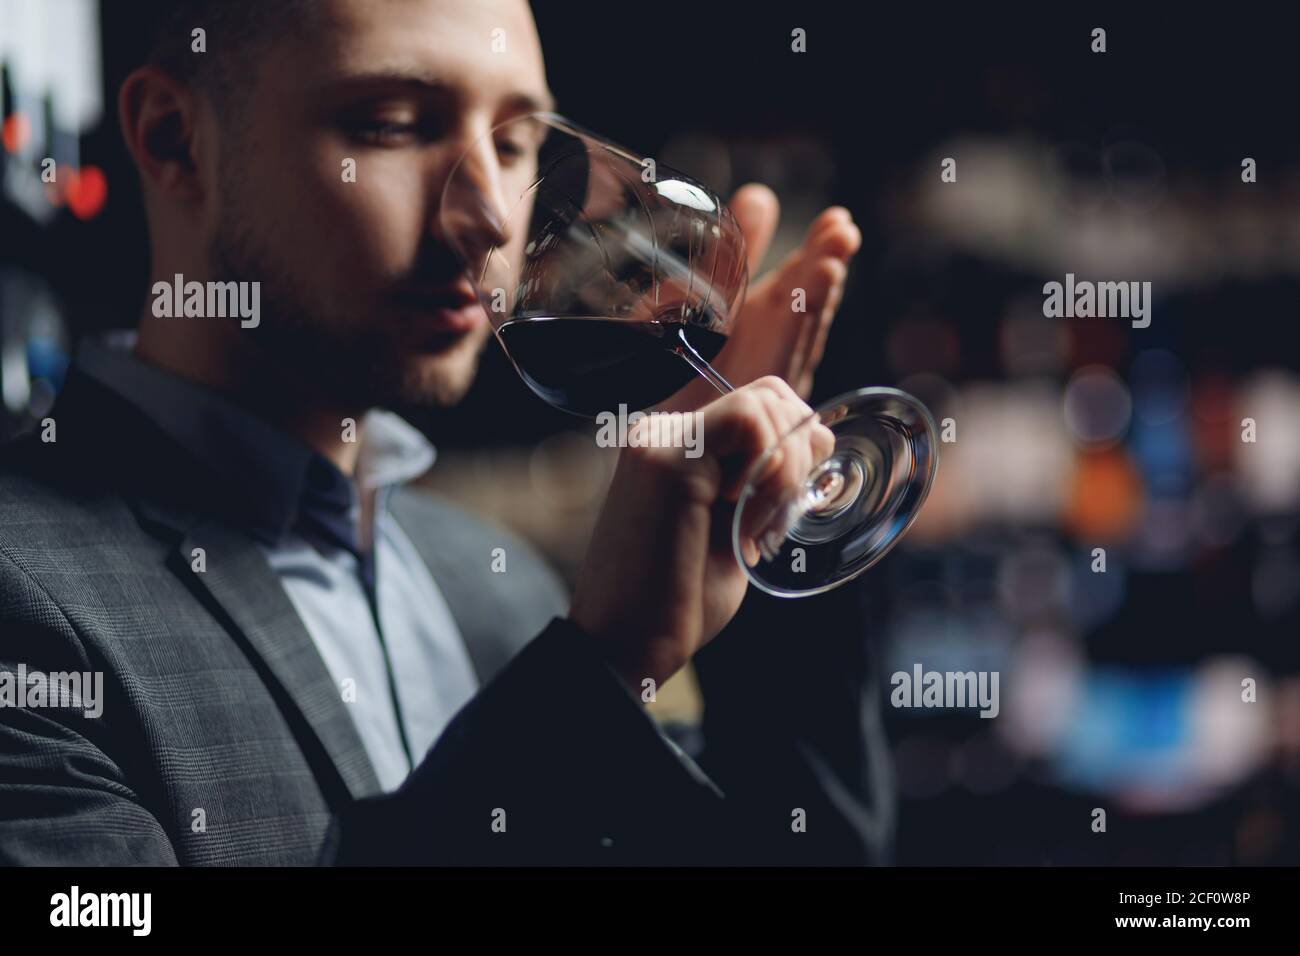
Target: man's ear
[(159, 117)]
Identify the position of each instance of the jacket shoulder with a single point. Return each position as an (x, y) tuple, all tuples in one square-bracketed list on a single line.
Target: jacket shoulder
[(501, 599), (433, 522), (45, 505)]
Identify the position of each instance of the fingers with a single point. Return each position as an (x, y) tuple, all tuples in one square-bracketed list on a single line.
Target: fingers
[(757, 211), (820, 268), (831, 241), (767, 434), (826, 288), (833, 233), (778, 489), (780, 457), (780, 482), (770, 335), (823, 441), (740, 427)]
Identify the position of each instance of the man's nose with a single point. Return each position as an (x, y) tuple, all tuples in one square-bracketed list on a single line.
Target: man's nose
[(474, 211)]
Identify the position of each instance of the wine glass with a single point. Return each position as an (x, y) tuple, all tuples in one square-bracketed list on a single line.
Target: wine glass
[(612, 280)]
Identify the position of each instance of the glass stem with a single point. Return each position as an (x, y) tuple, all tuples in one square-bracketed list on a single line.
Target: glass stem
[(697, 362)]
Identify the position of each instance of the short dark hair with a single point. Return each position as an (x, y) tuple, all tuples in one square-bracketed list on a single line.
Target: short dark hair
[(236, 32)]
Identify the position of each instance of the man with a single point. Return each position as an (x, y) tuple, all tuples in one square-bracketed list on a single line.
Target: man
[(301, 662)]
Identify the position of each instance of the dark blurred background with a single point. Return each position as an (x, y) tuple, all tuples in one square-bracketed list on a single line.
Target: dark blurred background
[(1120, 689)]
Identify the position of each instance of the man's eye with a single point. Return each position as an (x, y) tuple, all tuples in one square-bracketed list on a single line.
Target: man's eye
[(510, 152), (383, 132)]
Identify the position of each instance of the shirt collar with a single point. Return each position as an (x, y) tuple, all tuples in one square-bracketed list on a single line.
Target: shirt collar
[(278, 474)]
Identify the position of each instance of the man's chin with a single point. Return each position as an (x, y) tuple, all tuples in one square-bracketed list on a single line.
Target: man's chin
[(440, 377)]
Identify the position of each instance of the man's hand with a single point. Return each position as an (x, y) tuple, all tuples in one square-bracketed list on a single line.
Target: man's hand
[(661, 579), (768, 336)]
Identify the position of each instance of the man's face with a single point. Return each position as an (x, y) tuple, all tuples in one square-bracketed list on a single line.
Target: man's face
[(360, 291)]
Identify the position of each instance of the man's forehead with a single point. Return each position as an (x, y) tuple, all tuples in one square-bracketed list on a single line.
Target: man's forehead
[(490, 46), (450, 14)]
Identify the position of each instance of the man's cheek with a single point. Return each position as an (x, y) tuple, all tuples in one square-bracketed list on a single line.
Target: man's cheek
[(366, 226), (387, 202)]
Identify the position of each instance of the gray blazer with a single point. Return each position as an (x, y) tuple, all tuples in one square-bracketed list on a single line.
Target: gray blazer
[(223, 739)]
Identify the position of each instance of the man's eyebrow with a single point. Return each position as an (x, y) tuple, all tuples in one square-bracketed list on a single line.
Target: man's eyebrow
[(429, 83), (527, 103)]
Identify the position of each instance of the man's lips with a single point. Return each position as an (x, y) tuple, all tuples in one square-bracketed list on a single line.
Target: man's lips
[(451, 308)]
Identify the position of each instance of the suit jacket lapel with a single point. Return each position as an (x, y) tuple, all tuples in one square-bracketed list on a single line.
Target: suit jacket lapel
[(175, 499), (256, 609)]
